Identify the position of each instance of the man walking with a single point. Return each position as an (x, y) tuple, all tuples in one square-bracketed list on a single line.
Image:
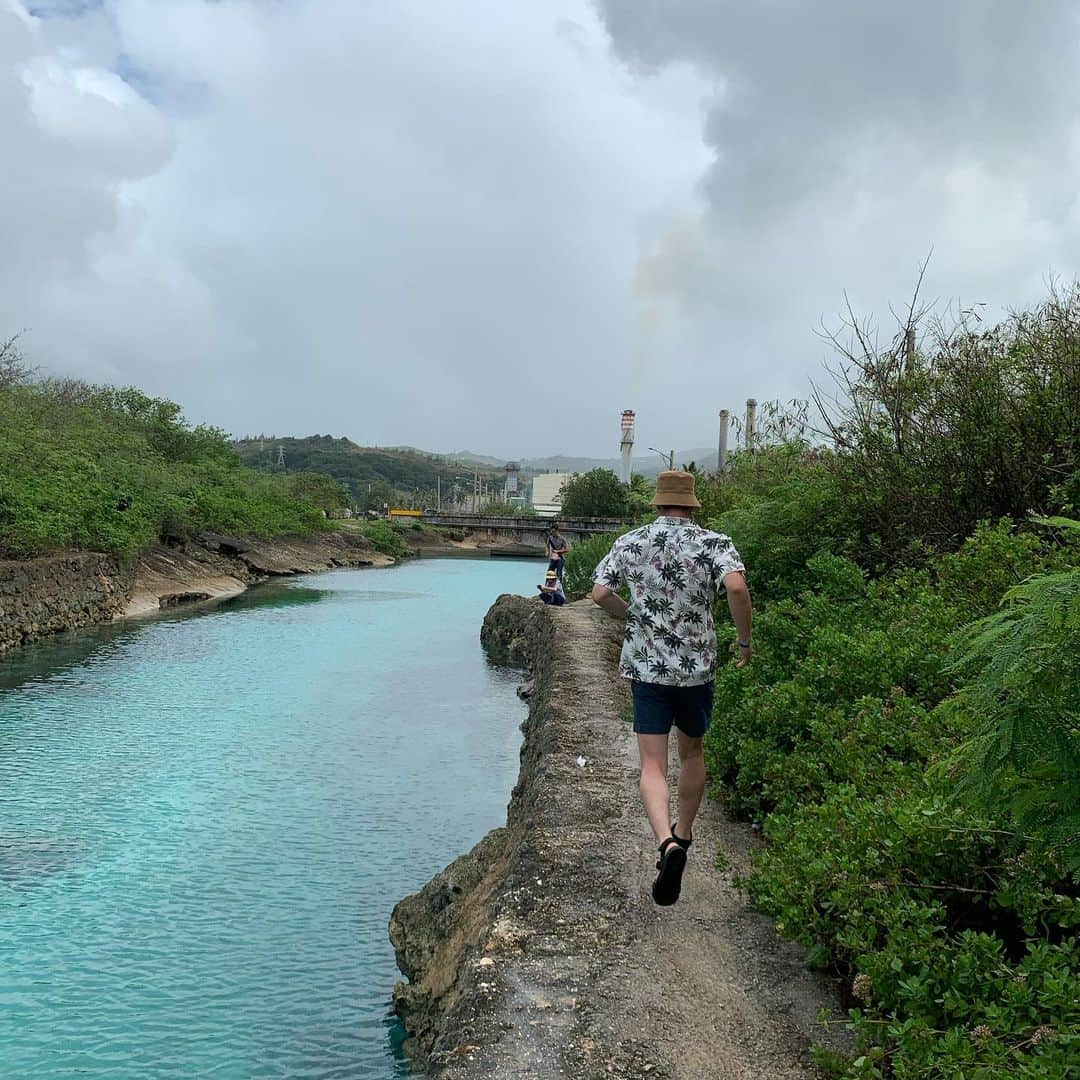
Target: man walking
[(674, 570)]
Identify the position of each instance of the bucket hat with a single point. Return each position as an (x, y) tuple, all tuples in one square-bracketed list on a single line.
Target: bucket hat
[(674, 488), (551, 574)]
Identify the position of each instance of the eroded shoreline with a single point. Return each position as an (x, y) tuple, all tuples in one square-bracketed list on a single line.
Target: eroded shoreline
[(55, 594)]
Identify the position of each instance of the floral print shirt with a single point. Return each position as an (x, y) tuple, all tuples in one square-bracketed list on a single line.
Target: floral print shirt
[(674, 570)]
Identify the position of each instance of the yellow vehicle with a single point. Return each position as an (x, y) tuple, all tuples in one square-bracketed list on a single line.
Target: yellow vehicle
[(396, 512)]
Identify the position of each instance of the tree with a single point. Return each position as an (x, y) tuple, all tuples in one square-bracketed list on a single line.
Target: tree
[(597, 493), (13, 369), (639, 496), (318, 489)]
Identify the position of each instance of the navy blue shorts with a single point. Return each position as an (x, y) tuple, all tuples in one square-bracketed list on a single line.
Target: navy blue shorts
[(657, 707)]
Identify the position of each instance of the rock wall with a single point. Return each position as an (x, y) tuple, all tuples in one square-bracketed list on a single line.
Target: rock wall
[(46, 596), (541, 955), (451, 936)]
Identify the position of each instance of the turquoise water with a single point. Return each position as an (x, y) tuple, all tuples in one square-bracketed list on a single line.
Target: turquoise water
[(205, 821)]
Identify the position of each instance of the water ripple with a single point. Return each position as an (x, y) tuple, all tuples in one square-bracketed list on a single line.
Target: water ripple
[(206, 821)]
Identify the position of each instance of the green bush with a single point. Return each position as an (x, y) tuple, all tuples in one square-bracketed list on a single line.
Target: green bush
[(978, 423), (954, 930), (385, 538), (98, 468), (582, 559), (1024, 708), (961, 957)]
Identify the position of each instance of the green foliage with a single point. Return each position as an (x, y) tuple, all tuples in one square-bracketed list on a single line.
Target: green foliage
[(505, 509), (955, 933), (582, 560), (597, 493), (639, 497), (781, 506), (318, 489), (1024, 704), (371, 475), (979, 423), (962, 959), (114, 470), (387, 538)]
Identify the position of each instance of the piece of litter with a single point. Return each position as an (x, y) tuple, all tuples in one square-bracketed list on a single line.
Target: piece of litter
[(485, 961), (581, 761)]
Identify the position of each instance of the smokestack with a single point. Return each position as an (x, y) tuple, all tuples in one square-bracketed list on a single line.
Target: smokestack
[(626, 447), (751, 425)]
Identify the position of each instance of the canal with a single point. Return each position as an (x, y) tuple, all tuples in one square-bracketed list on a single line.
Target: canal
[(205, 821)]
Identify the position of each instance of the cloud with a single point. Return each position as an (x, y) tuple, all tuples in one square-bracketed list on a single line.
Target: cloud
[(404, 223), (849, 139), (498, 225)]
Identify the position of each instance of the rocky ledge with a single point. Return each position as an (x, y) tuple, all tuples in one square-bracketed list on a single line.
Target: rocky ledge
[(540, 952), (212, 566), (39, 597)]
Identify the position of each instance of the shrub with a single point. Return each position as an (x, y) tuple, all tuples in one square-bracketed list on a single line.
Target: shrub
[(1024, 705), (582, 560), (597, 493), (385, 538), (955, 933), (114, 470), (980, 423)]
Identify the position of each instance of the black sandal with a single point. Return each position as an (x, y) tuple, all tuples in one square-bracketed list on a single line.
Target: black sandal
[(684, 844), (672, 862)]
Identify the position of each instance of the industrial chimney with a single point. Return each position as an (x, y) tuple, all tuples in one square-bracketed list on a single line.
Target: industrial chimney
[(626, 447), (512, 471)]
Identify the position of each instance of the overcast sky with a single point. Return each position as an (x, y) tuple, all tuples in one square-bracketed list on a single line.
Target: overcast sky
[(494, 224)]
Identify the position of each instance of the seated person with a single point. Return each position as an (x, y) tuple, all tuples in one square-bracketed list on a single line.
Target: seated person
[(551, 592)]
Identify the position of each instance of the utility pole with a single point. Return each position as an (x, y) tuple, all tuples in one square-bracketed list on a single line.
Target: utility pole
[(721, 457), (281, 456), (438, 493), (671, 459)]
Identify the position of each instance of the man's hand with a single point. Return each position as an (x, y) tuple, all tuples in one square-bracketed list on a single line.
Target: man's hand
[(745, 652), (610, 601)]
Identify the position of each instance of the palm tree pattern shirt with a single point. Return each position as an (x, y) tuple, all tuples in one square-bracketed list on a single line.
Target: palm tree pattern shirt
[(674, 570)]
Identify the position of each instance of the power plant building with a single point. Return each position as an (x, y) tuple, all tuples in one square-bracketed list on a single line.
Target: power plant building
[(547, 491)]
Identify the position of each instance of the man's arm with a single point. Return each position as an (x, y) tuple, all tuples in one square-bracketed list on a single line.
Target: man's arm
[(742, 613), (610, 601)]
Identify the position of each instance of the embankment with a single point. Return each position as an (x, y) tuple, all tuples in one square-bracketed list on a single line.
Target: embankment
[(540, 952), (46, 596)]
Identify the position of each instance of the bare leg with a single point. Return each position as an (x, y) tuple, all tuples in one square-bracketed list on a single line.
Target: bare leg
[(655, 793), (691, 783)]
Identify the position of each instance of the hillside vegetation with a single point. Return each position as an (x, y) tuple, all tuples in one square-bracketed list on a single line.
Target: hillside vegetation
[(908, 732), (371, 475), (105, 469)]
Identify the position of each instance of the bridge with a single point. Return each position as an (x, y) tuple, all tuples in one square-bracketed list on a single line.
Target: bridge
[(528, 532)]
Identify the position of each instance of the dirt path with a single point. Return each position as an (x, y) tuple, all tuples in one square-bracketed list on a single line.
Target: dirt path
[(582, 975)]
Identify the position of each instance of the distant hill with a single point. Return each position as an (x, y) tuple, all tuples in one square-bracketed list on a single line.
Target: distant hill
[(646, 465), (372, 474)]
